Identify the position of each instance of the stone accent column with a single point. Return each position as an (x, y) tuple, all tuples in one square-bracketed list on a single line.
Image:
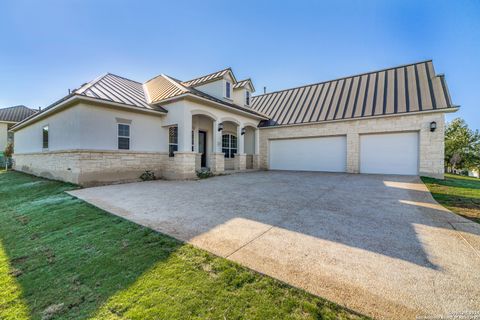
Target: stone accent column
[(198, 161), (353, 153), (183, 166), (256, 161), (185, 135), (217, 162), (240, 161), (241, 140)]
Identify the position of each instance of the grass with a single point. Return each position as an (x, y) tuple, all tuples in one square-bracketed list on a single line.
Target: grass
[(460, 194), (61, 258)]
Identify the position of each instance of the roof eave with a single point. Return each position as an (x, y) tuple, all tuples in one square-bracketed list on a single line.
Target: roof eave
[(72, 98), (443, 110)]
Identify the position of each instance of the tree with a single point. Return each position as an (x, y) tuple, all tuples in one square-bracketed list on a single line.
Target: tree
[(7, 153), (462, 146)]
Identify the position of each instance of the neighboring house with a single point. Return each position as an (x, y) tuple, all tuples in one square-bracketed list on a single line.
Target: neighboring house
[(9, 117), (112, 129), (474, 173)]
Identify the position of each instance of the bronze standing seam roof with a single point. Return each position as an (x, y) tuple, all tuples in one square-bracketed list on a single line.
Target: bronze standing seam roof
[(408, 88)]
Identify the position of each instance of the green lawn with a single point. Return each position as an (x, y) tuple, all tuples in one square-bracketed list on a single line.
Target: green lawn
[(458, 193), (61, 258)]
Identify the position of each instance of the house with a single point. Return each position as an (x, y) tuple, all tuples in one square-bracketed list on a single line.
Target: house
[(388, 121), (9, 117)]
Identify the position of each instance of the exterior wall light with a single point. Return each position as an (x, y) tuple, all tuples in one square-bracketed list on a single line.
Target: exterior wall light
[(220, 126), (433, 126), (242, 132)]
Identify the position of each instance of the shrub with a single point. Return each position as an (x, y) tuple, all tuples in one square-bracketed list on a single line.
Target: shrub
[(148, 176), (205, 173)]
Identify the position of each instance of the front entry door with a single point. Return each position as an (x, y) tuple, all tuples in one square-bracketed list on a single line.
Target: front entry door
[(202, 147)]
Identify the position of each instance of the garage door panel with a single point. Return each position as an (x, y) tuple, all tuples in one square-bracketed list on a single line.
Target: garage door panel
[(309, 154), (392, 153)]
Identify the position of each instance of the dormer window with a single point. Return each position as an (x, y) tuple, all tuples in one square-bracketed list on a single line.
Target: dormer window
[(228, 88), (247, 97)]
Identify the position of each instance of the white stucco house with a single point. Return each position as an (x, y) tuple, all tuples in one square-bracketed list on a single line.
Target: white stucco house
[(113, 129)]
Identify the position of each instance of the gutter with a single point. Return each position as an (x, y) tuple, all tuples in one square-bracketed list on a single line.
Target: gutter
[(446, 110), (74, 97)]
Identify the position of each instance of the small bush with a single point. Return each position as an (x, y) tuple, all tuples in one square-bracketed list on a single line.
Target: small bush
[(148, 176), (204, 174)]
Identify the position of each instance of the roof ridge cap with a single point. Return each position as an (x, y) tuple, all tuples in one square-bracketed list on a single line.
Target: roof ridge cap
[(83, 88), (346, 77), (208, 74), (178, 85)]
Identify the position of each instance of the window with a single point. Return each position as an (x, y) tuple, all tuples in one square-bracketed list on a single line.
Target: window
[(193, 141), (247, 98), (227, 89), (45, 137), (229, 145), (172, 141), (123, 136)]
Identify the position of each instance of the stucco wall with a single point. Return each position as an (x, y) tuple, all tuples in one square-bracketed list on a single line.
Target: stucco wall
[(93, 127), (3, 135), (431, 144)]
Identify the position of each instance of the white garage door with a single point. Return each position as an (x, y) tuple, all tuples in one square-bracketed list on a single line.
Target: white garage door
[(392, 153), (309, 154)]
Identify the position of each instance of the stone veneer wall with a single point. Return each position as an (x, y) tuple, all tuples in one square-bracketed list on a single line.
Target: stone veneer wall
[(431, 144), (93, 167)]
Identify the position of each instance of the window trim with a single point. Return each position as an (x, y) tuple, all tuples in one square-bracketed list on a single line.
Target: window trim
[(229, 154), (122, 136), (47, 126), (171, 153)]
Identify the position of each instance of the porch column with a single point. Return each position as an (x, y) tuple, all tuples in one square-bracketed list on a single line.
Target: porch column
[(241, 157), (217, 158), (241, 140), (256, 156), (185, 135)]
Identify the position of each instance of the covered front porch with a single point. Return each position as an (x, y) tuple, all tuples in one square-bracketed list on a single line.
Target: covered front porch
[(210, 142)]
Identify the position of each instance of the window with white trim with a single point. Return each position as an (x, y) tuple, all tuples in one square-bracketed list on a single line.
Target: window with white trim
[(123, 136), (172, 140), (45, 138), (229, 145), (228, 87), (247, 97)]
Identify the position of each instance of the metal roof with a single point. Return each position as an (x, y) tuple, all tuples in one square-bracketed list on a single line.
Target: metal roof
[(163, 87), (209, 77), (16, 113), (408, 88), (117, 89), (243, 83)]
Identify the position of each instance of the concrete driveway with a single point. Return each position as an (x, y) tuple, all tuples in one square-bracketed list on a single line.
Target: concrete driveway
[(377, 244)]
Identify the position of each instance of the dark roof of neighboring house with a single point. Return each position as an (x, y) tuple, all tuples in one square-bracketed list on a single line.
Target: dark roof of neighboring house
[(16, 113), (403, 89)]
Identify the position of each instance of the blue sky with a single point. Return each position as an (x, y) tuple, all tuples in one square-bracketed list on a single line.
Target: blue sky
[(47, 47)]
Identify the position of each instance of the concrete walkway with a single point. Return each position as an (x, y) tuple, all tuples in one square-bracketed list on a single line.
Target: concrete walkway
[(377, 244)]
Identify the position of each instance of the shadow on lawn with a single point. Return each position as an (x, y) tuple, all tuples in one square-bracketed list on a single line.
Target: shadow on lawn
[(65, 252)]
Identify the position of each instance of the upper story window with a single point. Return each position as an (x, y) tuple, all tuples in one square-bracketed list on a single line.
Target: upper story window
[(229, 145), (123, 136), (228, 89), (247, 98), (45, 137), (172, 140)]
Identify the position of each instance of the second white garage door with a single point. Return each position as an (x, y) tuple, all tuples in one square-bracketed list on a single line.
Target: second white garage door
[(392, 153), (309, 154)]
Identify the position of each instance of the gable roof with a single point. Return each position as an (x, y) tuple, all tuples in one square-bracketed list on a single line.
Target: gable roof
[(16, 113), (398, 90), (114, 88), (163, 87), (209, 77), (243, 83)]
